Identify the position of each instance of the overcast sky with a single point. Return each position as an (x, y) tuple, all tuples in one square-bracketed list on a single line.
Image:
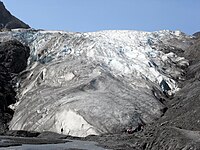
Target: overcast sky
[(94, 15)]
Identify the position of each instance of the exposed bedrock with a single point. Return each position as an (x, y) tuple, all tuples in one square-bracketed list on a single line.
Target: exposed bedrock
[(14, 56), (13, 59)]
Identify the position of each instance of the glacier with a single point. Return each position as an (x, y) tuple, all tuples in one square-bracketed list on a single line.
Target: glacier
[(82, 84)]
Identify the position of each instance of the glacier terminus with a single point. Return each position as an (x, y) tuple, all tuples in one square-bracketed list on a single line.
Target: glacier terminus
[(82, 84)]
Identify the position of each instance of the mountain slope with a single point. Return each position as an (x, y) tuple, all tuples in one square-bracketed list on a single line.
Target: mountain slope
[(8, 21)]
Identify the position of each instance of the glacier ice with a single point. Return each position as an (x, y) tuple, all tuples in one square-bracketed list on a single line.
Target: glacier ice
[(93, 83)]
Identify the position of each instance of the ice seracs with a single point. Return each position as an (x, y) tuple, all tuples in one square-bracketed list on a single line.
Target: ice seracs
[(97, 82)]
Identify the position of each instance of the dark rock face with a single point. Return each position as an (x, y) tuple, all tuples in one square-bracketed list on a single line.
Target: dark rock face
[(8, 21), (7, 97), (14, 55), (13, 59)]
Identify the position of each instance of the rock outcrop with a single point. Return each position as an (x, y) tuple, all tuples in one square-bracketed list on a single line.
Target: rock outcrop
[(13, 59)]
